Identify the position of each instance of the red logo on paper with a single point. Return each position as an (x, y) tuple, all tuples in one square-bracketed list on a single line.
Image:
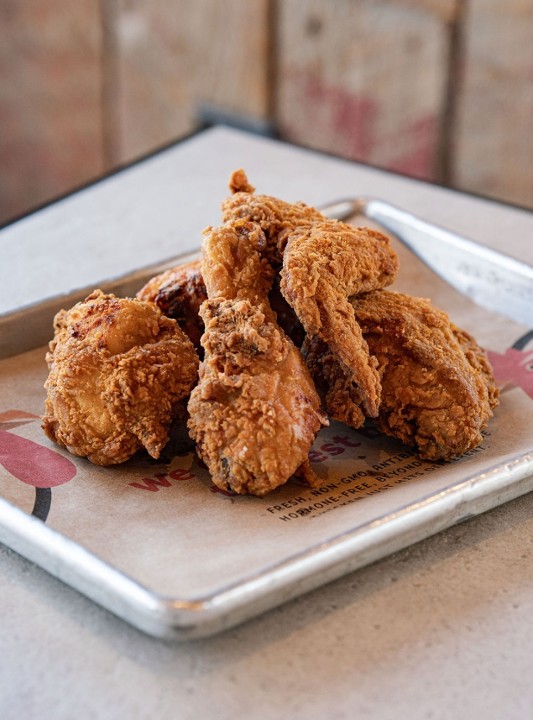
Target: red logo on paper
[(28, 461), (515, 365), (32, 463)]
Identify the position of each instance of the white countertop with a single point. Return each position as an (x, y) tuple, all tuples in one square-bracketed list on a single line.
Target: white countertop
[(443, 629)]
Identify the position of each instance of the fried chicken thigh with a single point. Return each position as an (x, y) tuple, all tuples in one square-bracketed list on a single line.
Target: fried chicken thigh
[(438, 391), (255, 411), (119, 371)]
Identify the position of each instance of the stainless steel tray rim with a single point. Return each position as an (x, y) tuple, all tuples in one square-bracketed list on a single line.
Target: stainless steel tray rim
[(185, 618)]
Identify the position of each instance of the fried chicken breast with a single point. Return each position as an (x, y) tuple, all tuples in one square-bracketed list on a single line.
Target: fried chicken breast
[(119, 370)]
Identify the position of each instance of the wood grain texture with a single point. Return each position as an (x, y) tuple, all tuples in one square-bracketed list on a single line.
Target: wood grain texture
[(493, 146), (175, 58), (444, 10), (438, 89), (364, 80), (50, 100)]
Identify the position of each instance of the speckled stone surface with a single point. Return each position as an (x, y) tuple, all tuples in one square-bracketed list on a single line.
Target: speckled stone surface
[(443, 629)]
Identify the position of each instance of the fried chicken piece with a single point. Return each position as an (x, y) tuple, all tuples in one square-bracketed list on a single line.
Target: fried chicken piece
[(178, 293), (438, 391), (255, 411), (119, 373), (322, 266), (276, 218), (324, 261)]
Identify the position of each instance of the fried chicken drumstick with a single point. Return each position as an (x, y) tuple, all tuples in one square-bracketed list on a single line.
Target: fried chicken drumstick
[(438, 391), (255, 411), (119, 371)]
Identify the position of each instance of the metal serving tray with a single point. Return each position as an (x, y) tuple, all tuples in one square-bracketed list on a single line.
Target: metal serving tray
[(155, 544)]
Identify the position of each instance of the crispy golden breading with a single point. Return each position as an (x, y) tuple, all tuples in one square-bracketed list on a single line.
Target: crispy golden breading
[(118, 371), (438, 391), (322, 266), (255, 411), (276, 218)]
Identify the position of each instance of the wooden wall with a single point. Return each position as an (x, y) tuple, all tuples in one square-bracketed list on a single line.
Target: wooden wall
[(50, 99), (438, 89)]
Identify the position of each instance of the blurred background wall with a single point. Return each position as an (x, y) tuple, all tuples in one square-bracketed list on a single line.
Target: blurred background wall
[(437, 89)]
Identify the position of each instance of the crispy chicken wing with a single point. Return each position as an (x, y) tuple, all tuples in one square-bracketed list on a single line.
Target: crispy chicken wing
[(118, 371), (438, 391), (323, 265), (255, 411)]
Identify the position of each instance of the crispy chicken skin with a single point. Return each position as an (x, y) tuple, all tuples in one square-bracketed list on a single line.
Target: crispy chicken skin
[(255, 411), (276, 218), (438, 391), (118, 371), (178, 293)]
